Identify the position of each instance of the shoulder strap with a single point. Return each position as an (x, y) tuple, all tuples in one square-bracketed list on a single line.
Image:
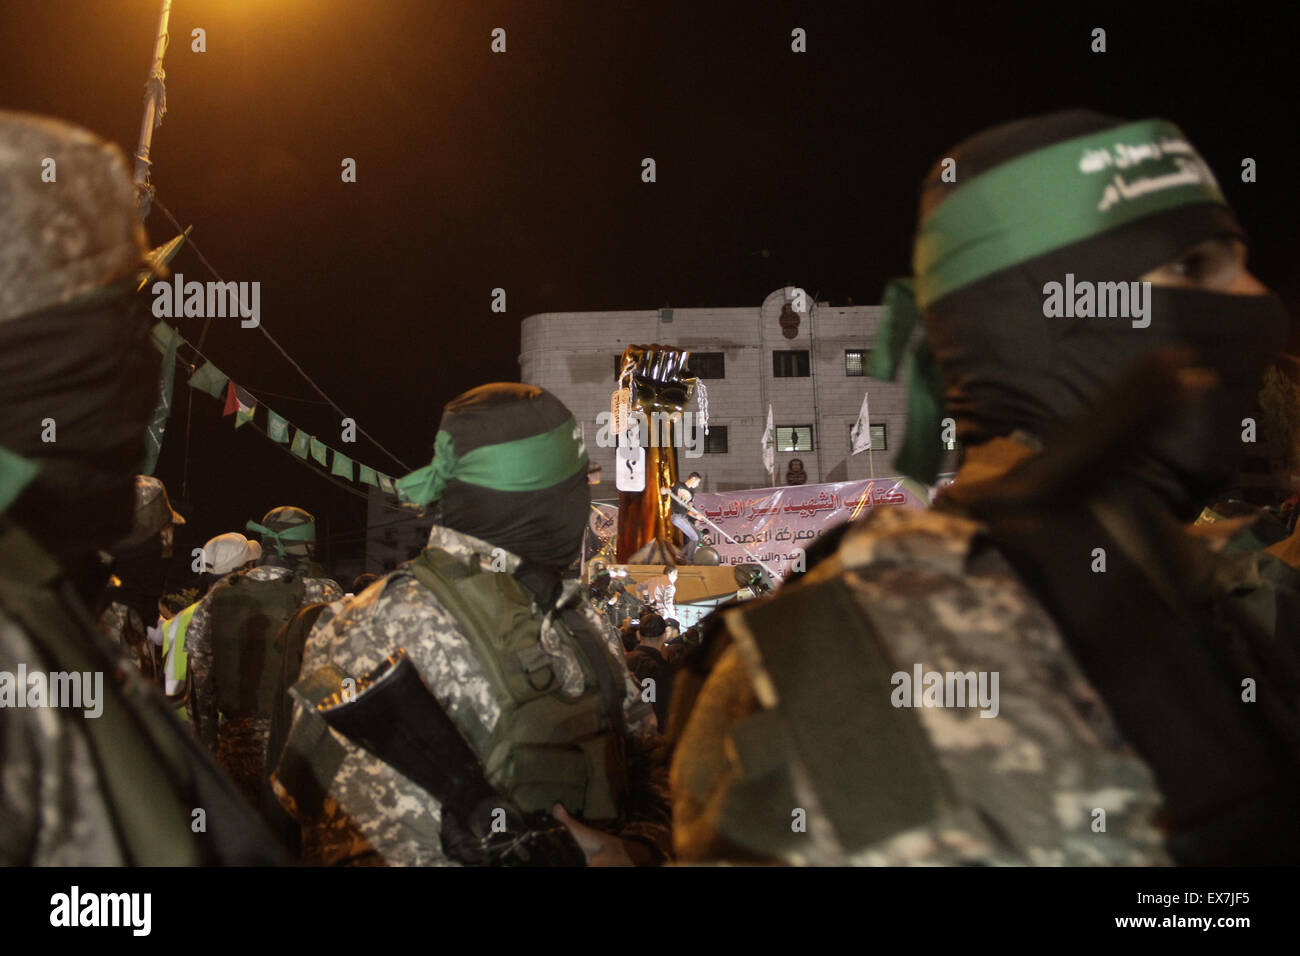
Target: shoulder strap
[(823, 678), (612, 690)]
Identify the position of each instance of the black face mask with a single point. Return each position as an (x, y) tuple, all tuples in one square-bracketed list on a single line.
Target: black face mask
[(543, 527), (95, 374), (1235, 336), (1008, 367)]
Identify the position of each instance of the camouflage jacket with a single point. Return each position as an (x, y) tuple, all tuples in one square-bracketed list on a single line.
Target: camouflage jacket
[(96, 770), (125, 627), (1021, 788), (371, 814), (199, 644), (52, 810)]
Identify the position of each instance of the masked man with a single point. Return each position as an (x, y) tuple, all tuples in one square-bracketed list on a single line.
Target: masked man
[(234, 654), (525, 707), (1039, 668), (97, 771)]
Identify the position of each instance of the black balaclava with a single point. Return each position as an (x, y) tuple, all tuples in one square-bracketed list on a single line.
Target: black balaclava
[(543, 525), (76, 364), (1006, 366), (92, 372)]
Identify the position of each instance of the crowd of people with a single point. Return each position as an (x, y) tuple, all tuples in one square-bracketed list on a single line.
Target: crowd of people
[(482, 705)]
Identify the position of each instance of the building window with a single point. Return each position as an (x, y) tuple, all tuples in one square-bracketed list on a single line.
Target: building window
[(790, 363), (715, 442), (794, 437), (855, 361), (707, 365), (879, 437)]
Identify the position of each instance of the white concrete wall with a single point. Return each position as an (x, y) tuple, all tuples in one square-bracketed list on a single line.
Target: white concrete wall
[(571, 354)]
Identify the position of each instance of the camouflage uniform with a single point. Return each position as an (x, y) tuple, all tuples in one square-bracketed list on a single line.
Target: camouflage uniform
[(125, 628), (1021, 787), (373, 815), (52, 808), (242, 742)]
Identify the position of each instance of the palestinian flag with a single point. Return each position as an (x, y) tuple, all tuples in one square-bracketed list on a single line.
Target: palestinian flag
[(239, 403)]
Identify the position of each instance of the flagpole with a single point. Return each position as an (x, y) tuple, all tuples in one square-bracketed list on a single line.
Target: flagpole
[(155, 107)]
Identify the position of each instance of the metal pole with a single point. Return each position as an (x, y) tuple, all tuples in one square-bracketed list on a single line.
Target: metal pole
[(155, 107)]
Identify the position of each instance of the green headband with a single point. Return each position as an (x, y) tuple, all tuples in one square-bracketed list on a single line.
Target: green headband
[(1022, 209), (294, 535), (525, 464), (1054, 197), (16, 473)]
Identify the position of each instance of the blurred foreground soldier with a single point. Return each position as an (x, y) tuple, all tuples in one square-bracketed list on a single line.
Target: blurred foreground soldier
[(233, 651), (139, 566), (447, 712), (96, 770), (1038, 670)]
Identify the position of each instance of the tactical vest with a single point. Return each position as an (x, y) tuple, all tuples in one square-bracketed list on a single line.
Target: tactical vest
[(545, 747), (246, 617)]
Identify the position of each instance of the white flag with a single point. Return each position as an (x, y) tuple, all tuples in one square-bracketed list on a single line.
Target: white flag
[(860, 434), (769, 443)]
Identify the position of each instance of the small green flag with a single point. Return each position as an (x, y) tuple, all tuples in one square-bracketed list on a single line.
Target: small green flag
[(276, 427), (318, 451), (167, 339), (208, 378), (342, 466), (367, 475), (386, 485), (299, 446)]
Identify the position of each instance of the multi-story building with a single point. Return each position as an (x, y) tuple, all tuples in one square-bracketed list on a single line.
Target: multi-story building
[(810, 366)]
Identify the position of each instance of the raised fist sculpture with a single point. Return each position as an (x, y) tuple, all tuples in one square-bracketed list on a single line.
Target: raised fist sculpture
[(658, 389)]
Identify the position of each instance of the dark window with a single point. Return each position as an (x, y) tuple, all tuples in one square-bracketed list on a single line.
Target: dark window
[(879, 439), (855, 361), (794, 437), (715, 442), (390, 565), (413, 553), (790, 363), (707, 365)]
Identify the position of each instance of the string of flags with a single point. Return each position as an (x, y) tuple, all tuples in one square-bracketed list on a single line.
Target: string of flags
[(243, 405)]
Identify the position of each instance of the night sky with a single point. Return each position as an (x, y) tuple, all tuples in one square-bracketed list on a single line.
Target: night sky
[(522, 171)]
